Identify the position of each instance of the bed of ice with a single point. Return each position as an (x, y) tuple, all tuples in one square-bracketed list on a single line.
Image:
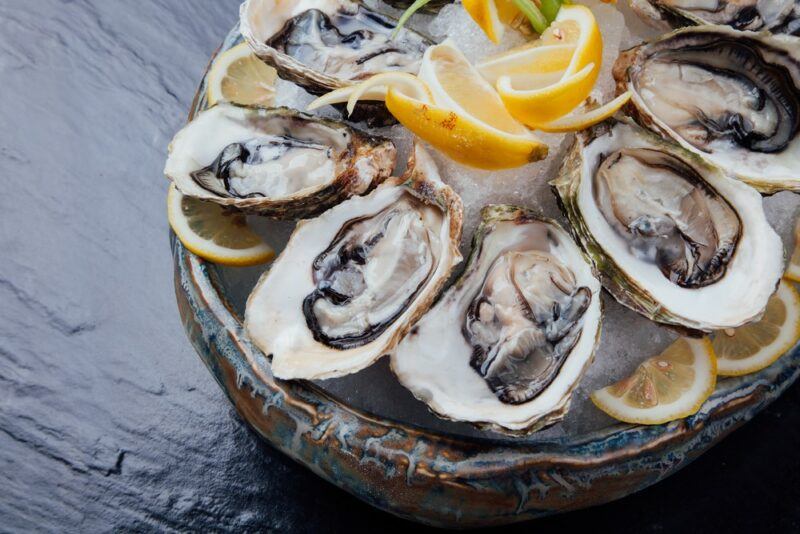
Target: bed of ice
[(627, 338)]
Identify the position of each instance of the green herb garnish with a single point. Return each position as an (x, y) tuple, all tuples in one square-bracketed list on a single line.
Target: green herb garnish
[(413, 8), (534, 16)]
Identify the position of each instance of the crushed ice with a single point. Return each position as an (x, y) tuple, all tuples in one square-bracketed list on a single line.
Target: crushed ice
[(626, 339)]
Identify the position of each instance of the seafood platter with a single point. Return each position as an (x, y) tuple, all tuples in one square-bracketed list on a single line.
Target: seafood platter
[(485, 261)]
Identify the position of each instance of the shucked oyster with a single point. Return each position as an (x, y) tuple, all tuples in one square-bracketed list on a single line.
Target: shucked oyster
[(777, 16), (322, 45), (277, 162), (506, 345), (732, 97), (351, 282), (674, 238)]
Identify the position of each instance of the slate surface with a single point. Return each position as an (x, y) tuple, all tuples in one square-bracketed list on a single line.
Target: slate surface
[(108, 420)]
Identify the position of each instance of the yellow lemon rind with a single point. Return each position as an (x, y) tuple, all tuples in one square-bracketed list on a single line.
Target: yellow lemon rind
[(463, 139), (206, 248), (219, 72), (684, 406), (787, 338)]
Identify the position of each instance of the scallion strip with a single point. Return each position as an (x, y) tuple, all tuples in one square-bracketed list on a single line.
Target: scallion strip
[(550, 9), (413, 8), (533, 14)]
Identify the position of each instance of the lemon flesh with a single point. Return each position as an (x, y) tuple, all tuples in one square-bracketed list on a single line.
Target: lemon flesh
[(240, 77), (215, 233), (669, 386), (754, 346)]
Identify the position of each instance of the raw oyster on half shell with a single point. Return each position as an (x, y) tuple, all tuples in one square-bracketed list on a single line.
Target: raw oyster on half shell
[(731, 97), (351, 282), (506, 345), (673, 236), (322, 45), (275, 162), (776, 16)]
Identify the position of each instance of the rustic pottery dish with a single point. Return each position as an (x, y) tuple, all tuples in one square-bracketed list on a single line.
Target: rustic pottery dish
[(435, 472)]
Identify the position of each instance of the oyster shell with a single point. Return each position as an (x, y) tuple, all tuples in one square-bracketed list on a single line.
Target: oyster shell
[(674, 238), (506, 345), (732, 97), (276, 162), (350, 283), (777, 16), (322, 45)]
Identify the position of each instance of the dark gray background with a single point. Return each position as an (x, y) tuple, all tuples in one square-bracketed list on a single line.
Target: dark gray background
[(108, 420)]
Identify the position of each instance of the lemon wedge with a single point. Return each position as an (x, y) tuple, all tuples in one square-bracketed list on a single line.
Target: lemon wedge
[(451, 107), (535, 106), (238, 76), (663, 388), (457, 85), (491, 16), (793, 269), (754, 346), (533, 58), (215, 233), (462, 138)]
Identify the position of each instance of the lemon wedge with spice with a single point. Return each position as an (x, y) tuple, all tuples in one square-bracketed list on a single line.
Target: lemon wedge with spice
[(452, 107), (535, 106)]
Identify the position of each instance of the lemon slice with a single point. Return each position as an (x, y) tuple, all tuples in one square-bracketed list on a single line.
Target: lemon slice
[(753, 347), (663, 388), (793, 269), (575, 25), (214, 233), (533, 58), (238, 76), (573, 123)]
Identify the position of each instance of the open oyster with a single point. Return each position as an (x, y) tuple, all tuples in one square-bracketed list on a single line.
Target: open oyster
[(322, 45), (777, 16), (732, 97), (675, 238), (350, 283), (506, 345), (276, 162)]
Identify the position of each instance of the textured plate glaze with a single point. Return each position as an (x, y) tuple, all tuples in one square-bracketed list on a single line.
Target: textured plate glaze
[(432, 476)]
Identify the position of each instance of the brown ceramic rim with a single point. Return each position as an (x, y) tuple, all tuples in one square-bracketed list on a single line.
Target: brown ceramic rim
[(433, 477)]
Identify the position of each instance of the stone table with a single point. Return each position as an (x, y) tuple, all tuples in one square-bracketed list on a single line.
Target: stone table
[(108, 420)]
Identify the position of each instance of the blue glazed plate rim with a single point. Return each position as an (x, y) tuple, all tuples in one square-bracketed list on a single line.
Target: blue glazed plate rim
[(774, 379)]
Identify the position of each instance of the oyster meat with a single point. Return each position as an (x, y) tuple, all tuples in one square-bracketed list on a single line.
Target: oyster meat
[(777, 16), (351, 282), (674, 237), (732, 97), (276, 162), (508, 342), (323, 45)]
